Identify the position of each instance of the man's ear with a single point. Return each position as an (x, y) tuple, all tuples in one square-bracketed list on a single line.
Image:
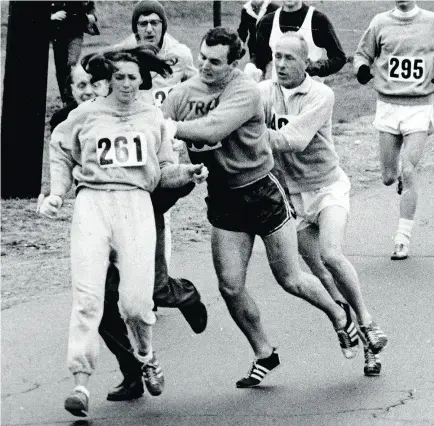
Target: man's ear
[(235, 63)]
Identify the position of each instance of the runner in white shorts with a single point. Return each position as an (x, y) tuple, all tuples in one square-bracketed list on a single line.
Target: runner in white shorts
[(398, 48), (298, 112)]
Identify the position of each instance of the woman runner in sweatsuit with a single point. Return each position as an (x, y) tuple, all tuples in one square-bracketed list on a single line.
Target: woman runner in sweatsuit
[(118, 149)]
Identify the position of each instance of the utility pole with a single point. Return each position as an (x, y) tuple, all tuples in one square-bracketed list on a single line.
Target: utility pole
[(24, 98), (217, 13)]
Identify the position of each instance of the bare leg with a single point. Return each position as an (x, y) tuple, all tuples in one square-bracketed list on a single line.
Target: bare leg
[(332, 224), (231, 255), (282, 252), (390, 148), (412, 152), (308, 246)]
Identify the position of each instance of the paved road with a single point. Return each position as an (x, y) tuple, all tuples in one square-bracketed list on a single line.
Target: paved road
[(314, 386)]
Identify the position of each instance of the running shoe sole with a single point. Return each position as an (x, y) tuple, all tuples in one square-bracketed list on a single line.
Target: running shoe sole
[(76, 407)]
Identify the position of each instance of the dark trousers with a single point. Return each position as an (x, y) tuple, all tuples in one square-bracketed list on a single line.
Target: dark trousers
[(168, 292), (66, 50)]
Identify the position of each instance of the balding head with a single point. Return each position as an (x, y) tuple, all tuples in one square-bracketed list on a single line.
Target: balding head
[(82, 88), (295, 43), (291, 58)]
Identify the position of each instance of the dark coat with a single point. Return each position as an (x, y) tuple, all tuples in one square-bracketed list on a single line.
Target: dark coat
[(76, 21), (247, 27)]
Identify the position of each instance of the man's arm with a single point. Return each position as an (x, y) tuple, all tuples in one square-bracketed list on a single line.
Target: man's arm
[(243, 28), (178, 175), (297, 134), (366, 51), (61, 160), (325, 36), (233, 110), (227, 117), (262, 55)]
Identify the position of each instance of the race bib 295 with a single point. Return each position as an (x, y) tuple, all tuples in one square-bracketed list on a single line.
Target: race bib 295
[(406, 68)]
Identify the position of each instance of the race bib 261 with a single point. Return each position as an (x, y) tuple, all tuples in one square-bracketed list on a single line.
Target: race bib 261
[(406, 68), (126, 149)]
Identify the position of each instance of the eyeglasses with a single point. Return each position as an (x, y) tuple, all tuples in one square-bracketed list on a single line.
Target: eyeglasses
[(154, 23)]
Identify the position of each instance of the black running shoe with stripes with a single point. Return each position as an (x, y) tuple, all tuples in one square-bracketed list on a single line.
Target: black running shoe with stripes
[(372, 366), (258, 370), (348, 336)]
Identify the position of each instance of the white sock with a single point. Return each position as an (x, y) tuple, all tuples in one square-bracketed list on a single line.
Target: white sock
[(145, 358), (81, 388), (403, 232)]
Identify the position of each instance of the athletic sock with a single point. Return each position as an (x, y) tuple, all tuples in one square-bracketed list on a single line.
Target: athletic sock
[(81, 388), (144, 358), (403, 233)]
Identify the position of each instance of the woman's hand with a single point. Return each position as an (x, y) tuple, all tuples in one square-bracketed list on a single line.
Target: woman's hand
[(198, 173), (50, 206)]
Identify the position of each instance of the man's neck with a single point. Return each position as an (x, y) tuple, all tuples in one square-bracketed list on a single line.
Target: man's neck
[(293, 8), (223, 82), (295, 85), (406, 13)]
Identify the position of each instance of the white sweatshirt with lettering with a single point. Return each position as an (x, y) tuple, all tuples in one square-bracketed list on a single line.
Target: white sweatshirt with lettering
[(102, 146)]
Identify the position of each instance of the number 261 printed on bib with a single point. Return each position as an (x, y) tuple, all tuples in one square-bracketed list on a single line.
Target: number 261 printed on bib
[(127, 149)]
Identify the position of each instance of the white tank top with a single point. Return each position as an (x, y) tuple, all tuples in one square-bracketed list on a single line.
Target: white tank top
[(315, 53)]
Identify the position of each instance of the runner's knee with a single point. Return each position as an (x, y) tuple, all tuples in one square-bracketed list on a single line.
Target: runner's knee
[(332, 257), (90, 305), (407, 173), (389, 178), (229, 287), (290, 282)]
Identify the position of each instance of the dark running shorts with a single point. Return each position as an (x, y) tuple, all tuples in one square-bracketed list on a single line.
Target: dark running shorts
[(259, 208)]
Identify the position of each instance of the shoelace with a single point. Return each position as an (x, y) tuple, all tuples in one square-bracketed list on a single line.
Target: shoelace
[(150, 372), (399, 248), (373, 333), (370, 358)]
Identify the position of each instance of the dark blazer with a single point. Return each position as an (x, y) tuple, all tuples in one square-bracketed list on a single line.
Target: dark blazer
[(76, 22)]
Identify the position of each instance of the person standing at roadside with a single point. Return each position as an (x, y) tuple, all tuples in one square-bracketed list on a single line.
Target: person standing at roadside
[(251, 13), (69, 21)]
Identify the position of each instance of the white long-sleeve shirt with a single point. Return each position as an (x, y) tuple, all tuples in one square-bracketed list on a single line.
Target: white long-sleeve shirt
[(300, 128)]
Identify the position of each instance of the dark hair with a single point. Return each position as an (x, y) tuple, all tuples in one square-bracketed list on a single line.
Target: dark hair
[(226, 37), (101, 65)]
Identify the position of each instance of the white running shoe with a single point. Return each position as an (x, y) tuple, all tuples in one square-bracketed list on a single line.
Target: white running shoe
[(400, 251)]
